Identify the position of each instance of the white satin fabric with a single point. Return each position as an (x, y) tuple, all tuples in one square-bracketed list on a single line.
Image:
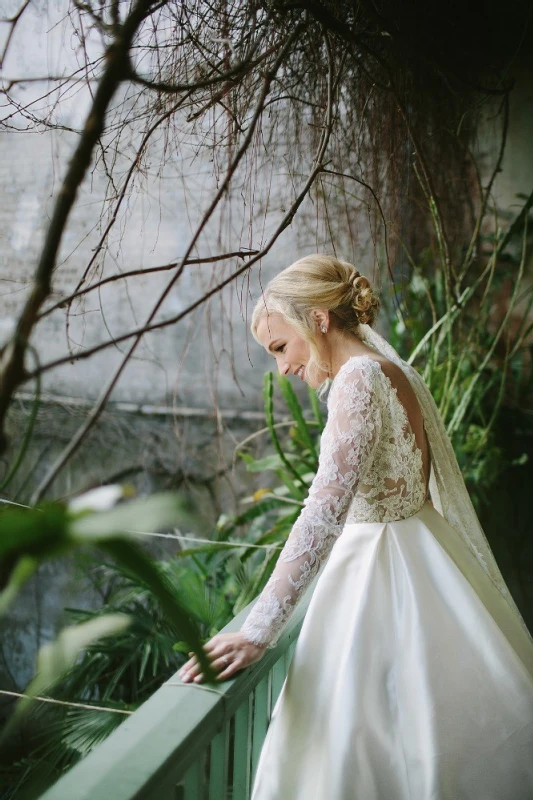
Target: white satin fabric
[(405, 684)]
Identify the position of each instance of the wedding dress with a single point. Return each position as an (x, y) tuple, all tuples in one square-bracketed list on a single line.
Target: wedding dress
[(412, 677)]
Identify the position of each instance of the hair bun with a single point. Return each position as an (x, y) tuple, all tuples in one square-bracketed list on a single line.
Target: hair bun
[(353, 277), (363, 302)]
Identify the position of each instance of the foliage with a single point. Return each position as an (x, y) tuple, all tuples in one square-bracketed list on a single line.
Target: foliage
[(30, 536), (212, 581), (476, 356), (474, 359)]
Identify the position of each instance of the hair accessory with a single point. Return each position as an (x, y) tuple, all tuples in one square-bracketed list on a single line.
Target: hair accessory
[(323, 329)]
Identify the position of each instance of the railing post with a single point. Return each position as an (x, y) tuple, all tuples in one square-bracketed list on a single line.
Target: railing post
[(193, 784), (242, 751), (260, 721), (218, 764)]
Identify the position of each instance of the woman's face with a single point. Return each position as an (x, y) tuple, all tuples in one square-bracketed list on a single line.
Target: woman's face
[(288, 348)]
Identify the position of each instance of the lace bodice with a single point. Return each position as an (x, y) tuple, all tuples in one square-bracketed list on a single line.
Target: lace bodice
[(370, 470)]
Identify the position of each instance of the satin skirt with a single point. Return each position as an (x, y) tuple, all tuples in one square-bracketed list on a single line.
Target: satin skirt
[(404, 684)]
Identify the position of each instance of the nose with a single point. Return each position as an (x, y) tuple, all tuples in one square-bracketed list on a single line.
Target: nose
[(284, 368)]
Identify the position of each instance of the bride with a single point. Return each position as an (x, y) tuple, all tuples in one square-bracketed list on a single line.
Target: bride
[(412, 677)]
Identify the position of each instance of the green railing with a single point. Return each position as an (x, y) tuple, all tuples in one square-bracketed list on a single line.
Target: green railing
[(189, 742)]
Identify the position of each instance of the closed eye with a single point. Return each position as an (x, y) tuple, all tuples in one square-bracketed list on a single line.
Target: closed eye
[(280, 348)]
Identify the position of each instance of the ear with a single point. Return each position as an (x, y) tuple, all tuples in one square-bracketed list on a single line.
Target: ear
[(320, 316)]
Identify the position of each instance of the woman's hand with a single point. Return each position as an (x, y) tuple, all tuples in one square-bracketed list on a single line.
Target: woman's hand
[(228, 653)]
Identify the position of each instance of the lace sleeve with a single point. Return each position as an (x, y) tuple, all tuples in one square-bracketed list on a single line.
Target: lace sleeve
[(346, 450)]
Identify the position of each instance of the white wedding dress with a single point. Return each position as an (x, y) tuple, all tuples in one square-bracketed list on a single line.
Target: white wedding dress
[(412, 677)]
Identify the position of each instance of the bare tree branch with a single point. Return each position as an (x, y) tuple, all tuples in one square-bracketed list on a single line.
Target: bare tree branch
[(147, 271), (98, 408), (146, 138), (97, 19), (12, 355), (12, 22), (366, 185), (213, 85), (231, 76), (283, 225)]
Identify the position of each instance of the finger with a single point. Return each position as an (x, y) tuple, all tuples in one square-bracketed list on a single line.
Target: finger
[(213, 642), (222, 662), (190, 676), (190, 672), (190, 664), (230, 670), (217, 647)]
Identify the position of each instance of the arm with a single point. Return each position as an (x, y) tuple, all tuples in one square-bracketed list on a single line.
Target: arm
[(347, 448)]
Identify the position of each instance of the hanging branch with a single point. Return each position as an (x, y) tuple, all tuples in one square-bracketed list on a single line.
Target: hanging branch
[(120, 276), (12, 22), (98, 408), (12, 356), (319, 167)]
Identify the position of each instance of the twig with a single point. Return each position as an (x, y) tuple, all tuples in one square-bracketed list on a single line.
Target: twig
[(12, 22), (147, 271), (12, 371), (98, 408), (129, 175), (285, 222)]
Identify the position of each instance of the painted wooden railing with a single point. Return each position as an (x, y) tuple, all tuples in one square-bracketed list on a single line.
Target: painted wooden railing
[(189, 742)]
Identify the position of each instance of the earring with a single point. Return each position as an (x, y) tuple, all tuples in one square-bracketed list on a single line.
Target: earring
[(324, 329)]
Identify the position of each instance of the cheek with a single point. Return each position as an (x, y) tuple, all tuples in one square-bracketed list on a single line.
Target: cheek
[(304, 352)]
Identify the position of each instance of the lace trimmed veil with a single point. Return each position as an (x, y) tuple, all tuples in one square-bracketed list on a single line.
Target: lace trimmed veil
[(450, 497)]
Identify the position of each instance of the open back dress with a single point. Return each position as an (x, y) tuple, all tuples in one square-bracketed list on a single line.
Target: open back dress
[(412, 678)]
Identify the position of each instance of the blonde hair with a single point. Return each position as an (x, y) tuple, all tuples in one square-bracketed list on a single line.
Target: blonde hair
[(318, 281)]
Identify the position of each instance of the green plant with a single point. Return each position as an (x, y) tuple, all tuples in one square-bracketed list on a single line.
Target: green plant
[(212, 581), (28, 536)]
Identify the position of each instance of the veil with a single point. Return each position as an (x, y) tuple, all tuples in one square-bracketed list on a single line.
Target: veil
[(448, 491)]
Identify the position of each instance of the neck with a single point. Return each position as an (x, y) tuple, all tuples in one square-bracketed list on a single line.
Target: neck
[(339, 347)]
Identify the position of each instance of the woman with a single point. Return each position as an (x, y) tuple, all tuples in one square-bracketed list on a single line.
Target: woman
[(412, 677)]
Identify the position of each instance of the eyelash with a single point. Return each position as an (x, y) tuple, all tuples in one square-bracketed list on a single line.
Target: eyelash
[(280, 348)]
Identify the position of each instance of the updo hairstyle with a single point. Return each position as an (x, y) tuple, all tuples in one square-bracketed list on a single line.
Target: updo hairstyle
[(318, 281)]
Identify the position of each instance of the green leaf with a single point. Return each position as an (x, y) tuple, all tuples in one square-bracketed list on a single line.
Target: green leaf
[(23, 570), (129, 555), (259, 580), (263, 507), (146, 514), (317, 411), (55, 659), (289, 395), (271, 462), (36, 531), (268, 393)]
